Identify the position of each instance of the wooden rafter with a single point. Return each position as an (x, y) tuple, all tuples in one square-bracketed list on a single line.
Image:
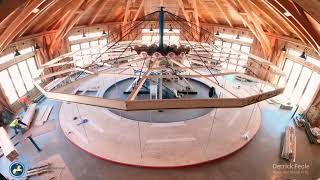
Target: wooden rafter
[(126, 13), (141, 81), (71, 21), (54, 12), (35, 17), (224, 13), (204, 6), (138, 11), (248, 17), (298, 21), (184, 12), (98, 11), (10, 32), (196, 13), (269, 17)]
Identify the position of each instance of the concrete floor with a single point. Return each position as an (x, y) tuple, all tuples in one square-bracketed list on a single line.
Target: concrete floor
[(254, 161)]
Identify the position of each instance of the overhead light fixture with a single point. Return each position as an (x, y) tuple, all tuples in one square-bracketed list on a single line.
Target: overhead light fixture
[(217, 33), (303, 55), (151, 28), (238, 36), (35, 10), (170, 28), (17, 53), (104, 32), (284, 49)]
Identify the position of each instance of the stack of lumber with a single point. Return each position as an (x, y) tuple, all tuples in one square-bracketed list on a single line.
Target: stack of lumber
[(43, 115), (289, 145), (7, 146), (28, 116)]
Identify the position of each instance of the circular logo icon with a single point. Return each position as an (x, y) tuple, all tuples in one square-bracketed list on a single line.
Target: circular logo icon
[(17, 169)]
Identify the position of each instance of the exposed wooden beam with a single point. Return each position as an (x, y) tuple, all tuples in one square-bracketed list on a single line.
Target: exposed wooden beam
[(204, 6), (297, 20), (196, 13), (255, 27), (224, 13), (98, 11), (54, 13), (33, 19), (185, 14), (126, 13), (269, 17), (138, 11), (141, 81), (311, 7), (10, 32)]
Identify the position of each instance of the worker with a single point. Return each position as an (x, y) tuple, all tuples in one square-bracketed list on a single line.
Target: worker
[(212, 92), (16, 125), (23, 101)]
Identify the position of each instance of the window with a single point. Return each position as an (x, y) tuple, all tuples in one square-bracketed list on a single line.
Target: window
[(310, 90), (231, 60), (302, 84), (26, 76), (89, 51), (17, 80), (8, 87), (10, 56)]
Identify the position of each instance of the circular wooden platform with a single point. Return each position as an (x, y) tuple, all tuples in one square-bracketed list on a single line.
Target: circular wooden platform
[(112, 137)]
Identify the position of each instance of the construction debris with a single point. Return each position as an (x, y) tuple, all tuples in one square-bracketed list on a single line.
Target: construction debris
[(289, 145), (39, 170)]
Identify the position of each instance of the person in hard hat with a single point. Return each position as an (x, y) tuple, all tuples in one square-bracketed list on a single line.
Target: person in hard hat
[(212, 92), (23, 101), (16, 125)]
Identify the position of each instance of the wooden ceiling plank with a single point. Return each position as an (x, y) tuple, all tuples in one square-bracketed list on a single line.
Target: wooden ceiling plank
[(35, 18), (10, 31), (196, 13), (98, 11), (268, 17), (246, 21), (58, 36), (224, 13), (185, 14), (9, 18), (298, 21), (260, 32), (203, 4), (77, 17), (138, 11), (126, 13)]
